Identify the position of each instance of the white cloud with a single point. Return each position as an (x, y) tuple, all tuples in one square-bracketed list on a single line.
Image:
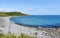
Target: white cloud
[(33, 10), (43, 10), (8, 9), (36, 10)]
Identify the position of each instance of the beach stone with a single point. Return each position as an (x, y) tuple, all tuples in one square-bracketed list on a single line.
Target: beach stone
[(50, 33), (39, 32)]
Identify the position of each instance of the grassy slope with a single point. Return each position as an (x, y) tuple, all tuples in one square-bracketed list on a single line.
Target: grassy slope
[(12, 14)]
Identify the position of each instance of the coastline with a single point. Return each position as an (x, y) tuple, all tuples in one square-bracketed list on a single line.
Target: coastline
[(39, 32)]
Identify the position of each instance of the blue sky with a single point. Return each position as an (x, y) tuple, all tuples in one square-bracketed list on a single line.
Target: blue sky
[(33, 7)]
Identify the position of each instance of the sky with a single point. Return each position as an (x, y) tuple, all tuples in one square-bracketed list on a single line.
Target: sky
[(32, 7)]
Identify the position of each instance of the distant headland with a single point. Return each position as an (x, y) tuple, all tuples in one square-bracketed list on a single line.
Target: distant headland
[(12, 14)]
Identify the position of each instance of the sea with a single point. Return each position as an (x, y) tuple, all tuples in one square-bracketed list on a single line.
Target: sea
[(44, 21)]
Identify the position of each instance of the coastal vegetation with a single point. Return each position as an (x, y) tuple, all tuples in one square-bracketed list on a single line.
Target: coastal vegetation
[(12, 14), (14, 36)]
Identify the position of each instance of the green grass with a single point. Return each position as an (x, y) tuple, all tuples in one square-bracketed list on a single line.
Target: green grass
[(14, 36), (12, 14), (26, 36)]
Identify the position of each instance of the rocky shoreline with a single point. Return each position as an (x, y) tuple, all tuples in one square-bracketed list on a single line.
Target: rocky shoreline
[(39, 32)]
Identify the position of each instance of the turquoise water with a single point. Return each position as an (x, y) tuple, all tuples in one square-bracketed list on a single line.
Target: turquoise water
[(44, 21)]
